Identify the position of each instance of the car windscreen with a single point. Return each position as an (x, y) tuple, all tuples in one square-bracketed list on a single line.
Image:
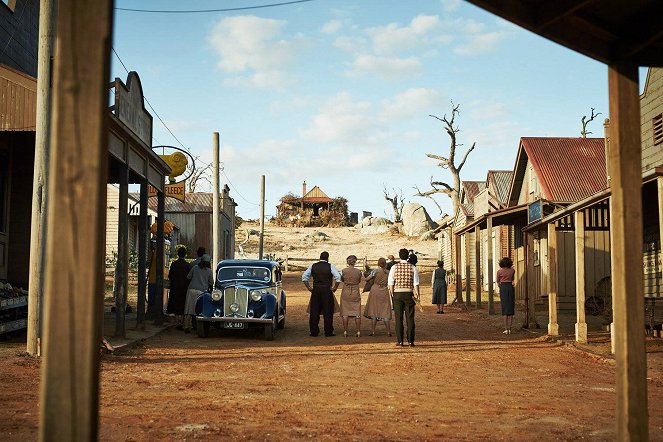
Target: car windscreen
[(252, 273)]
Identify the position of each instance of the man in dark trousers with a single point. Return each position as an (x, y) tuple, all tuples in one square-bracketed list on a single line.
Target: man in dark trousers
[(322, 294), (403, 283)]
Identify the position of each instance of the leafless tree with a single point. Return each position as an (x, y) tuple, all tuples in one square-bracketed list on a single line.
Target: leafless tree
[(448, 162), (397, 202), (586, 121), (197, 174)]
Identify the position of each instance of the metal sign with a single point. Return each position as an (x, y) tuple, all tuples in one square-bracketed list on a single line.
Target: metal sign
[(534, 211), (130, 108), (176, 190), (180, 161)]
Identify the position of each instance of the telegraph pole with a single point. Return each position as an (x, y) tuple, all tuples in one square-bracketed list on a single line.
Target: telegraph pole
[(216, 255), (262, 215)]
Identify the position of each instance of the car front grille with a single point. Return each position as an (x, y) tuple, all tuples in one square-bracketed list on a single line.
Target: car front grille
[(236, 295)]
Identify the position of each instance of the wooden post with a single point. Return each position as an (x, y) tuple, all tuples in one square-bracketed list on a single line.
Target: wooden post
[(581, 323), (262, 216), (158, 301), (143, 238), (39, 183), (216, 190), (122, 264), (489, 270), (553, 327), (477, 263), (73, 275), (468, 278), (627, 239), (459, 281)]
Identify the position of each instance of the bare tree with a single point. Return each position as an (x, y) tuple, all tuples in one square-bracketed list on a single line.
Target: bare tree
[(397, 202), (449, 162), (197, 175), (586, 121)]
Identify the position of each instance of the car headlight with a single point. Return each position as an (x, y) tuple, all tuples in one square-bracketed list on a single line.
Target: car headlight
[(216, 295), (256, 295)]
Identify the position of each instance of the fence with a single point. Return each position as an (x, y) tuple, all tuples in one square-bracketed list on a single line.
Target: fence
[(294, 263)]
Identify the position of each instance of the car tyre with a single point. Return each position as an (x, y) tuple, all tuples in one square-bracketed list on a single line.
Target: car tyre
[(269, 329), (202, 327), (281, 324)]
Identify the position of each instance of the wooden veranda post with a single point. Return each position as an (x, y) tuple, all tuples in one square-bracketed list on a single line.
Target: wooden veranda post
[(468, 266), (553, 327), (459, 281), (122, 264), (40, 182), (581, 323), (73, 273), (477, 263), (158, 301), (489, 269), (627, 237), (143, 238)]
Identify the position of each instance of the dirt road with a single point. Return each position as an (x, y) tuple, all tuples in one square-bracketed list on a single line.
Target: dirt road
[(463, 381)]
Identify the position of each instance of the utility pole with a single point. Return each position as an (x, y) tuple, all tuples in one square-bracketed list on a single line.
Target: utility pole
[(262, 215), (42, 149), (216, 249)]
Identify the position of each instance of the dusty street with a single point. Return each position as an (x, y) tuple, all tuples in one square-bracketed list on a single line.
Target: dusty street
[(464, 381)]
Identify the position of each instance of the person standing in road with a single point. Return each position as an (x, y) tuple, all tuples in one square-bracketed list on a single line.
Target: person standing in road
[(439, 285), (326, 279), (179, 284), (201, 281), (351, 296), (403, 282), (378, 305), (390, 262), (505, 277)]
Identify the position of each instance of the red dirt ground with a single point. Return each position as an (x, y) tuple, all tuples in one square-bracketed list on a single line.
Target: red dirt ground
[(464, 381)]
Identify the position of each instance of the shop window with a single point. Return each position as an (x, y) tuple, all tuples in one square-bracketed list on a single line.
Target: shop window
[(657, 123)]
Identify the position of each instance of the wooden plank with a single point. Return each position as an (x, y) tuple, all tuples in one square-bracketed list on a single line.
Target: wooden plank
[(553, 326), (73, 280), (626, 241), (468, 279), (459, 281), (489, 267), (122, 264), (477, 264), (581, 323)]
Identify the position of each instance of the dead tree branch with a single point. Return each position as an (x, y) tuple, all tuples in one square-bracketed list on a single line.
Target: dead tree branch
[(585, 121)]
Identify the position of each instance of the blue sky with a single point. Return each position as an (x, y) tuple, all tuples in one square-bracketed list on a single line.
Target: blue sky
[(338, 92)]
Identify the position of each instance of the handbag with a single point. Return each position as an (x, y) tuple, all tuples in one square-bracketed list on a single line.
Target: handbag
[(368, 285)]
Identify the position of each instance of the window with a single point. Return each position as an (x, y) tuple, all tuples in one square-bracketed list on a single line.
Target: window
[(657, 123)]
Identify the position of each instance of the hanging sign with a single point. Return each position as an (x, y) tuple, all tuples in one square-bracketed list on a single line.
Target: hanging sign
[(176, 190), (534, 211)]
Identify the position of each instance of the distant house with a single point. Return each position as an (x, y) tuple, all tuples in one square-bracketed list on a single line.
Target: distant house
[(313, 208)]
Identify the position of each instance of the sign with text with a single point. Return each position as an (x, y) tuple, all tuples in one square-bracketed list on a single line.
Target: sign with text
[(176, 190), (130, 108), (534, 211)]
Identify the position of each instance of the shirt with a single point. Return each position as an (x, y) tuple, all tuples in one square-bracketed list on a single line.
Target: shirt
[(335, 273), (505, 275), (201, 278), (392, 272)]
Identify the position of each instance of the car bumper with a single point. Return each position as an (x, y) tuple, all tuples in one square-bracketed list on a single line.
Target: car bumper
[(231, 319)]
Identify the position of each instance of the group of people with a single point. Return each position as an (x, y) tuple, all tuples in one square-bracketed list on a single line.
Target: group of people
[(393, 285), (187, 281)]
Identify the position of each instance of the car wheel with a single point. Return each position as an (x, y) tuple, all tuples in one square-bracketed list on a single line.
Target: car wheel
[(202, 327), (269, 329), (281, 324)]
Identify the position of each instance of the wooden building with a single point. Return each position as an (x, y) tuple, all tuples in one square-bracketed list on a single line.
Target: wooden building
[(313, 208)]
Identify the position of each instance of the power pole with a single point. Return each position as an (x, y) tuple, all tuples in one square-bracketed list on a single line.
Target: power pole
[(262, 215), (38, 223), (216, 190), (73, 302)]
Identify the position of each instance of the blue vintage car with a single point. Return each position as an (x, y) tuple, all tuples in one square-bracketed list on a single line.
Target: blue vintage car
[(247, 294)]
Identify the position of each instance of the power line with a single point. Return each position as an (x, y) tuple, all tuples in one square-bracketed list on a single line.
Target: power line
[(237, 191), (244, 8)]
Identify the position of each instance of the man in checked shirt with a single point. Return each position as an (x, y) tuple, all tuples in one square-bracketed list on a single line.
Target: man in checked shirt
[(403, 282)]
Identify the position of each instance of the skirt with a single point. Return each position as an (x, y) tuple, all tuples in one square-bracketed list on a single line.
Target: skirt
[(507, 298), (191, 299)]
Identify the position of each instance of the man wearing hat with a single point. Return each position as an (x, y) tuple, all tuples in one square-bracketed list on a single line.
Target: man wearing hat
[(200, 280), (322, 294)]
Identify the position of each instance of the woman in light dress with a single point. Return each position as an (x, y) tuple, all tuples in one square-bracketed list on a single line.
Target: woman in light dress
[(378, 305), (351, 296), (201, 280)]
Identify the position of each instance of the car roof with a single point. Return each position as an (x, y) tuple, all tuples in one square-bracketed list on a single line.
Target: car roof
[(247, 263)]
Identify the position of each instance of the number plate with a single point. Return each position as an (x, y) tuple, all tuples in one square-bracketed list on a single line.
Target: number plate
[(233, 325)]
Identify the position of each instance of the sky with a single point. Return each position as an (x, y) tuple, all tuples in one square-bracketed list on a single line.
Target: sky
[(339, 93)]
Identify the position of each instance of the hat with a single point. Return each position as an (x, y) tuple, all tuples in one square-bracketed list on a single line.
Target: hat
[(206, 258)]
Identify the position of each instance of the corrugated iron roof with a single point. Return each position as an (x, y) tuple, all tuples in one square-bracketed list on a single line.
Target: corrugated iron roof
[(472, 189), (569, 169), (196, 202), (501, 180)]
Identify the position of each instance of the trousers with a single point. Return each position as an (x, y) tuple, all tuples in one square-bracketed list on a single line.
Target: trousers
[(404, 303), (322, 301)]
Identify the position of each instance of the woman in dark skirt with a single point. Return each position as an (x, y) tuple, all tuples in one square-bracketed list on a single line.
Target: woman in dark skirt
[(439, 284), (505, 277), (178, 287)]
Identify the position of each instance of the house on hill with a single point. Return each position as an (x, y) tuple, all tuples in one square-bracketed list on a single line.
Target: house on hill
[(313, 208)]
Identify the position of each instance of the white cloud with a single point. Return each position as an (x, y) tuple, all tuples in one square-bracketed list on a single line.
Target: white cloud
[(331, 27), (385, 67), (254, 45), (392, 39), (450, 5), (412, 103), (479, 43)]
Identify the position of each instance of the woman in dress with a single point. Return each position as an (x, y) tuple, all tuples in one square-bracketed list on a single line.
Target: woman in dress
[(439, 284), (179, 284), (378, 305), (350, 295), (201, 280), (505, 279)]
